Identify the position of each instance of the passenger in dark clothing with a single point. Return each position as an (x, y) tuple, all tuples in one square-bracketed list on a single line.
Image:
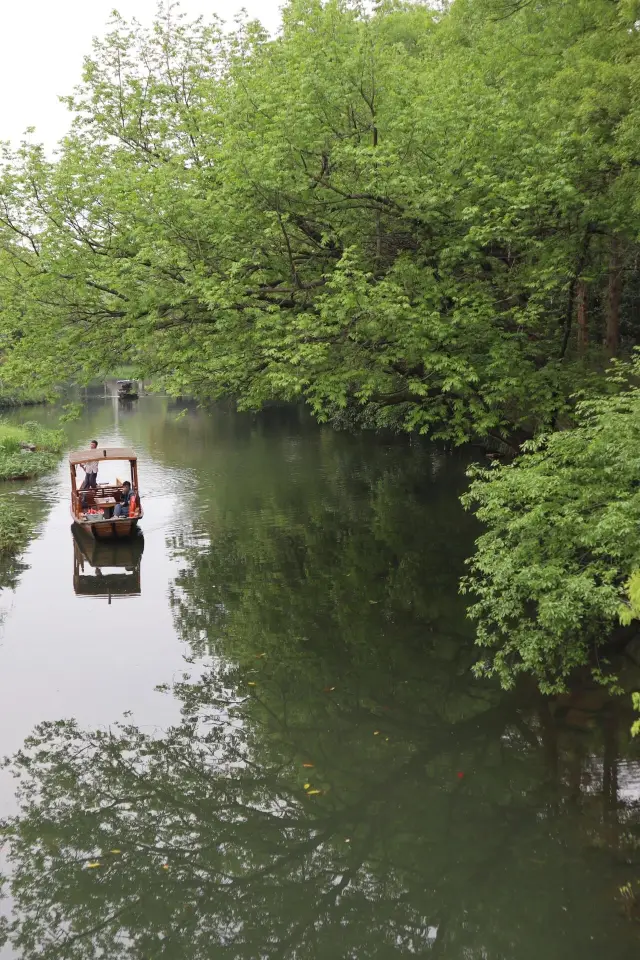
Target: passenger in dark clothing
[(121, 509)]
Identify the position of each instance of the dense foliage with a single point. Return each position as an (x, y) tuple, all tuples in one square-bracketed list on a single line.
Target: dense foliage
[(556, 569), (411, 217)]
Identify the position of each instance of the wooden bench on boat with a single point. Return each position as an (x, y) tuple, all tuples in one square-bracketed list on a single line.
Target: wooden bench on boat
[(92, 510)]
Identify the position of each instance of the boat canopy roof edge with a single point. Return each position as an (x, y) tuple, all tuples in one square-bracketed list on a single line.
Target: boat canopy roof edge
[(102, 453)]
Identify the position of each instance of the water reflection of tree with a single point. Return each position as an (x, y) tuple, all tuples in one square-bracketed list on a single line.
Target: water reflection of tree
[(450, 820), (209, 844), (14, 565), (360, 554)]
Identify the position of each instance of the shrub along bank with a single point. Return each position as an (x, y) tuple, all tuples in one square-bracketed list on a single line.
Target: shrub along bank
[(26, 451)]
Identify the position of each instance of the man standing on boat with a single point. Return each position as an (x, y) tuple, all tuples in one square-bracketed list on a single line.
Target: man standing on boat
[(90, 468)]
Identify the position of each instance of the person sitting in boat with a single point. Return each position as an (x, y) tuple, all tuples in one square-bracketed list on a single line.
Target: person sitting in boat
[(121, 508)]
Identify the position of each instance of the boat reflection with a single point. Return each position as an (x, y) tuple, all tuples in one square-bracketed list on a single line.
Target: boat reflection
[(106, 569)]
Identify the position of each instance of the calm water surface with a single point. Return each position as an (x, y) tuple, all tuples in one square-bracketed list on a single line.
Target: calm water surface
[(261, 738)]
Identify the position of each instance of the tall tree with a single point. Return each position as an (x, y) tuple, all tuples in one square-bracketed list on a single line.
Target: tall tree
[(388, 214)]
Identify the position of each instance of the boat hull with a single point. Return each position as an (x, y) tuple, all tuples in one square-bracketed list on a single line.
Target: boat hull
[(121, 528)]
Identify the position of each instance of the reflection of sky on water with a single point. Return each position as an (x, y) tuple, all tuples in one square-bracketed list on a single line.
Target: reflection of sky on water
[(629, 781)]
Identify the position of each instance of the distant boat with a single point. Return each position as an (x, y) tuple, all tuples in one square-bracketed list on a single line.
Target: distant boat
[(93, 510), (126, 390)]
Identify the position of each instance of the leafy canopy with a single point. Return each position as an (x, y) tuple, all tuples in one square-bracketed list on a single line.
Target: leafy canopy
[(556, 568), (384, 213)]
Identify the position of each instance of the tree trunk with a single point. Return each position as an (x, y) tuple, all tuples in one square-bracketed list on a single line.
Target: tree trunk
[(567, 320), (614, 296), (583, 318)]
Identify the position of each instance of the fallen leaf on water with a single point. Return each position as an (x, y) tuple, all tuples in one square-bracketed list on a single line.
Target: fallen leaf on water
[(307, 766), (376, 733), (165, 866), (92, 866), (312, 793), (347, 839), (251, 683), (307, 785), (373, 601), (115, 851), (386, 738), (328, 689), (460, 774), (259, 656)]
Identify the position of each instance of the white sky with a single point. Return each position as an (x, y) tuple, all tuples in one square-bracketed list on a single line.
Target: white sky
[(43, 43)]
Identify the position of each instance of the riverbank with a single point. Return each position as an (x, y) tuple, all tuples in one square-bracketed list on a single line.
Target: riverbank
[(27, 451), (9, 399)]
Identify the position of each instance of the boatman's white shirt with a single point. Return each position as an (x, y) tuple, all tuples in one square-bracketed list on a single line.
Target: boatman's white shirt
[(91, 466)]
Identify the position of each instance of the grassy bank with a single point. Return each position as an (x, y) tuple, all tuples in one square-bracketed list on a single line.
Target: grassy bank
[(26, 451), (10, 398)]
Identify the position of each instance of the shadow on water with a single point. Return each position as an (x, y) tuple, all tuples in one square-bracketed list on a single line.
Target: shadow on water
[(337, 785)]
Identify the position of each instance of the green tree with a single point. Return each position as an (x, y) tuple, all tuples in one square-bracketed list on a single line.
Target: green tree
[(551, 572), (405, 217)]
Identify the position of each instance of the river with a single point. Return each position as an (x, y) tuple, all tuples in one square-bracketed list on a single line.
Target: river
[(261, 738)]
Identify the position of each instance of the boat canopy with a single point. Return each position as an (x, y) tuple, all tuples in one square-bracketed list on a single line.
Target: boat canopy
[(102, 453)]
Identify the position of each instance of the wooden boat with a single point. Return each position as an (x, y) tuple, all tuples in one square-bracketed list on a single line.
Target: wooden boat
[(106, 570), (126, 390), (93, 510)]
